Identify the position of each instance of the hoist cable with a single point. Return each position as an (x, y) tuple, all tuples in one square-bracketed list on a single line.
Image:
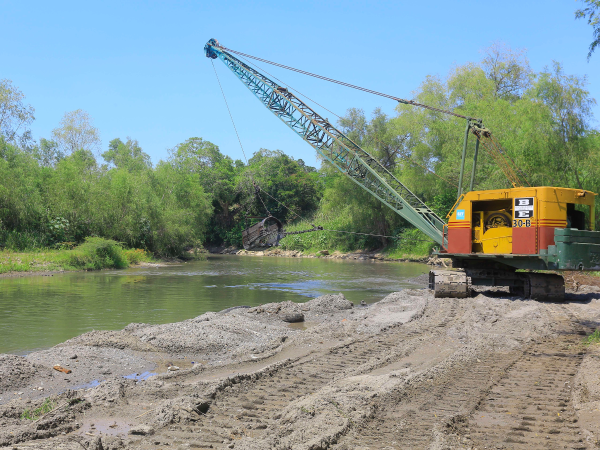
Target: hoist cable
[(501, 159), (376, 235), (341, 118), (331, 80), (506, 166), (229, 111), (238, 137)]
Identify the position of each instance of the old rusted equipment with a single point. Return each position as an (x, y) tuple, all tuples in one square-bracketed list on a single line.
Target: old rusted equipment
[(266, 233)]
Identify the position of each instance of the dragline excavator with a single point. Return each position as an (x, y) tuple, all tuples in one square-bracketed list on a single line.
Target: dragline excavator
[(490, 236)]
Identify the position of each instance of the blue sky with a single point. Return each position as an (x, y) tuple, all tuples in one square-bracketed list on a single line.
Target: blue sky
[(139, 70)]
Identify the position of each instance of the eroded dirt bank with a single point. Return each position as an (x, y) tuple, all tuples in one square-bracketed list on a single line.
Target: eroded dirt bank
[(408, 372)]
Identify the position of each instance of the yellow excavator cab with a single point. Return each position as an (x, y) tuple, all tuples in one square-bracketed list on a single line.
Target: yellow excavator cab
[(517, 221)]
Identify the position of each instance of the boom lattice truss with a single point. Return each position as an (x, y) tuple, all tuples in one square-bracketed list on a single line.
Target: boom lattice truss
[(334, 146)]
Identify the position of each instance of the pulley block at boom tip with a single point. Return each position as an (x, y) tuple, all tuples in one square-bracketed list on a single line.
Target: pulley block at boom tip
[(208, 48)]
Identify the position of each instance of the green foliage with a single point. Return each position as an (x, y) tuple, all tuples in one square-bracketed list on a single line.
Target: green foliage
[(162, 210), (593, 338), (128, 155), (76, 132), (591, 13), (15, 115), (218, 176), (38, 412), (136, 255), (48, 154), (411, 244), (290, 189), (234, 188), (328, 240), (97, 253)]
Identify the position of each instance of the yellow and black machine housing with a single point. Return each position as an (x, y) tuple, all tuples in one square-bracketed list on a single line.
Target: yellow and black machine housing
[(493, 233)]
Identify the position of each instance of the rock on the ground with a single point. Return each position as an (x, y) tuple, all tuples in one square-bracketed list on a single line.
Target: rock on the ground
[(144, 430), (293, 317)]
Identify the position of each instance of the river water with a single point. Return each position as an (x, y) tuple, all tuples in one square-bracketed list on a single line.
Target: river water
[(41, 311)]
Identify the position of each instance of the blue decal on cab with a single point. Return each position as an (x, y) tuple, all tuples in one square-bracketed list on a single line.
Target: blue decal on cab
[(460, 214)]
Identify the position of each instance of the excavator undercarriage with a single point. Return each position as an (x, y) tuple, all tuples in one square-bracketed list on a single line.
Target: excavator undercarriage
[(460, 283)]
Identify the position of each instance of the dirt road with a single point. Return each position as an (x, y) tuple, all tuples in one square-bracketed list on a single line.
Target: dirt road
[(410, 372)]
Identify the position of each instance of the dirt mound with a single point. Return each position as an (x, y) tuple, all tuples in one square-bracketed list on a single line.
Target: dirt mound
[(17, 372), (213, 335), (329, 303)]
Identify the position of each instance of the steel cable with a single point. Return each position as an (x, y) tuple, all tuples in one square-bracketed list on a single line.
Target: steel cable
[(342, 83), (341, 118)]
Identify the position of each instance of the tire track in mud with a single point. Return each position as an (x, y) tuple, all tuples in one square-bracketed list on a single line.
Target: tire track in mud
[(525, 396), (410, 419), (248, 408), (531, 407)]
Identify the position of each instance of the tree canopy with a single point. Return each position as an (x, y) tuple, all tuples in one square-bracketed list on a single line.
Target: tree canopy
[(591, 12), (76, 132), (15, 115)]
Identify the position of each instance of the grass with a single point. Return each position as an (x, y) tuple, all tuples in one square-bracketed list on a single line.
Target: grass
[(593, 338), (94, 254), (411, 244), (35, 414)]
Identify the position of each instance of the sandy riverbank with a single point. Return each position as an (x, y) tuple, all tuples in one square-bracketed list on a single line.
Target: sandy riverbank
[(363, 255), (410, 371)]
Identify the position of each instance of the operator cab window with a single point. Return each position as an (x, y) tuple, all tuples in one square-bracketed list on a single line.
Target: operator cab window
[(575, 218), (486, 215)]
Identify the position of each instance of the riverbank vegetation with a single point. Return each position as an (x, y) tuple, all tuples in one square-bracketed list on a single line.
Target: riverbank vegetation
[(93, 254), (68, 188)]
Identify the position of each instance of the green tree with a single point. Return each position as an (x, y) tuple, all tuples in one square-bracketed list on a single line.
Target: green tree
[(48, 153), (508, 69), (287, 189), (590, 12), (180, 212), (15, 115), (128, 155), (568, 115), (344, 198), (21, 205), (217, 174), (76, 132)]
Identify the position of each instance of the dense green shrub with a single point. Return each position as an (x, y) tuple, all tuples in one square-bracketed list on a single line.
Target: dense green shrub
[(97, 253)]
